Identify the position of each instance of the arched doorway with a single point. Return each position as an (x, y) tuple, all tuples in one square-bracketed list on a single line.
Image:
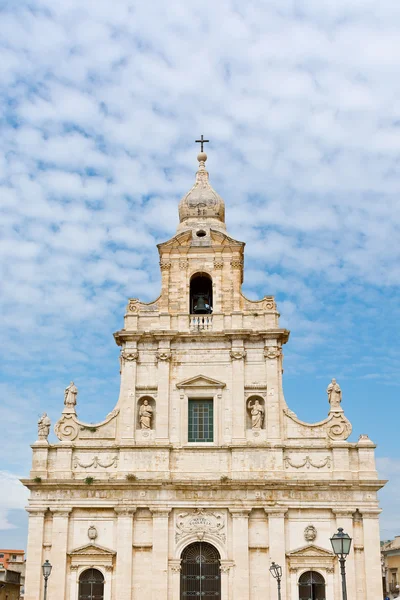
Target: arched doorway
[(201, 296), (91, 585), (200, 572), (311, 586)]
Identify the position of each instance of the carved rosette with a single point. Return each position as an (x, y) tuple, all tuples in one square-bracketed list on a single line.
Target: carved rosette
[(339, 428), (163, 355), (238, 354), (199, 523), (272, 352)]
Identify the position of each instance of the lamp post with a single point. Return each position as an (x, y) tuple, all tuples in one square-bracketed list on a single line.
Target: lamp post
[(276, 572), (46, 568), (341, 544)]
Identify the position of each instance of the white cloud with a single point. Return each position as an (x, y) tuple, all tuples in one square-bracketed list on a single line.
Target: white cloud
[(13, 496)]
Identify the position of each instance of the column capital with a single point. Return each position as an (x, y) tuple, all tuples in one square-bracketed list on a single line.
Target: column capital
[(371, 513), (60, 512), (175, 565), (343, 513), (240, 512), (160, 513), (36, 512), (125, 511), (275, 513)]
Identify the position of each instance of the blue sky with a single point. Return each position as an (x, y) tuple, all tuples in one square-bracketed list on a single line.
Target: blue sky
[(101, 104)]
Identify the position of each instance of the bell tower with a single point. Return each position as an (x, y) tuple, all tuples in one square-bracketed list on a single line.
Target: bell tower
[(202, 326)]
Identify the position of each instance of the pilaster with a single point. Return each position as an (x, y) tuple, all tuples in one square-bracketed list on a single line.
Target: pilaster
[(127, 401), (372, 554), (34, 558), (273, 355), (58, 555), (240, 545), (160, 552), (163, 361), (124, 552), (344, 518), (238, 355), (277, 541)]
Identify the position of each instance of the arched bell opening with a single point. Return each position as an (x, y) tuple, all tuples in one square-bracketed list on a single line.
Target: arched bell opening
[(201, 295), (311, 586), (91, 585), (200, 572)]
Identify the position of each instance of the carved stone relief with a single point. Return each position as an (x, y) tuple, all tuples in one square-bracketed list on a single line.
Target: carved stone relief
[(133, 305), (44, 427), (310, 533), (238, 354), (272, 352), (163, 355), (307, 462), (96, 462), (200, 522), (256, 413), (129, 355)]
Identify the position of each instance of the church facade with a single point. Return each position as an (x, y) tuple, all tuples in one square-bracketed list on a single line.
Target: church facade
[(201, 475)]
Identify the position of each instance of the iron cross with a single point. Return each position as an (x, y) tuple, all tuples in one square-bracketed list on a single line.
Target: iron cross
[(202, 141)]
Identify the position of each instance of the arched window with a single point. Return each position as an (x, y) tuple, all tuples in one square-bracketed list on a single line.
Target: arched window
[(311, 586), (91, 585), (201, 300), (200, 572)]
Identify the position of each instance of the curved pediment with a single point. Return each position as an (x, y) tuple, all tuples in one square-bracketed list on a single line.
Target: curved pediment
[(200, 381)]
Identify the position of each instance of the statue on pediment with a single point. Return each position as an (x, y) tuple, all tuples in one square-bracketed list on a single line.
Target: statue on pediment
[(44, 427), (334, 395), (70, 395)]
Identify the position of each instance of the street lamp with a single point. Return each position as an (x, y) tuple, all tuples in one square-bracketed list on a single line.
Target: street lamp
[(46, 568), (276, 572), (341, 544)]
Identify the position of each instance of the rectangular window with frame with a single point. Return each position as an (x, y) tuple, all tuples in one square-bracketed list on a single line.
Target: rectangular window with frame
[(201, 421)]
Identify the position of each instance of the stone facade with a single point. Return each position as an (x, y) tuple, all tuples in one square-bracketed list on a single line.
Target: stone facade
[(127, 496)]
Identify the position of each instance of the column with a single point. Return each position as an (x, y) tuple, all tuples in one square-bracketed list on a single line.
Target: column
[(162, 408), (277, 550), (273, 365), (127, 398), (372, 555), (73, 582), (58, 555), (160, 552), (358, 548), (34, 559), (344, 519), (238, 355), (124, 552), (240, 547), (174, 579)]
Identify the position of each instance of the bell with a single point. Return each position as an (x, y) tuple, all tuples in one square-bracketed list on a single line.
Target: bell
[(200, 307)]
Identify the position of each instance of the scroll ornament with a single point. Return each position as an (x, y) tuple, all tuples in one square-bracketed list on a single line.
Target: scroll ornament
[(199, 523)]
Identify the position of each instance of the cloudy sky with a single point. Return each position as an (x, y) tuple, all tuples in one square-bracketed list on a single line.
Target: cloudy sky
[(101, 104)]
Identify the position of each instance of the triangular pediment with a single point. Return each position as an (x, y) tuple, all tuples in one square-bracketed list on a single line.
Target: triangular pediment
[(200, 381), (311, 550), (92, 550)]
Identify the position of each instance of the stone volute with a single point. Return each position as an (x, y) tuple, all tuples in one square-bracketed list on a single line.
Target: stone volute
[(202, 206)]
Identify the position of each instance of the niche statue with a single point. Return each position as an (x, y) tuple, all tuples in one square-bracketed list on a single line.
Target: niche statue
[(257, 414), (145, 415)]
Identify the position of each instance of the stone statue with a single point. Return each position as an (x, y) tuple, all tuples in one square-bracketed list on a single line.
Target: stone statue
[(145, 415), (44, 427), (334, 395), (70, 395), (257, 414)]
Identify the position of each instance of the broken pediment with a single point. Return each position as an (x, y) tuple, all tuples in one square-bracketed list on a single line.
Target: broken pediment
[(92, 550), (200, 381)]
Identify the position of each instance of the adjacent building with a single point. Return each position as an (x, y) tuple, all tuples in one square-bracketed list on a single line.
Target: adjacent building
[(201, 474)]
